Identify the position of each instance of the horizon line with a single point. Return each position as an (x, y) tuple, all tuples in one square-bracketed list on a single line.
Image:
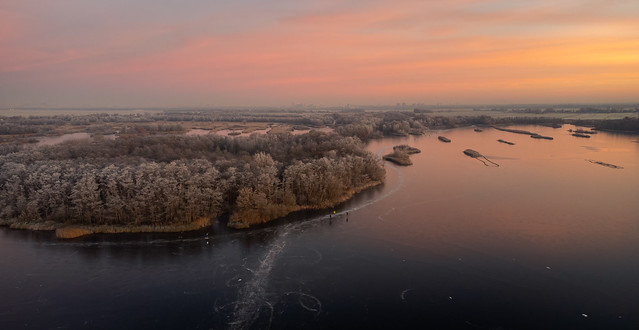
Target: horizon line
[(314, 106)]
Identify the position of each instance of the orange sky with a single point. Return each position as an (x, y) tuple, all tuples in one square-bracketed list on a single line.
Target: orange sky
[(163, 53)]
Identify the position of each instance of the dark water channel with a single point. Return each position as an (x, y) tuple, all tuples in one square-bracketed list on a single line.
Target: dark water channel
[(547, 240)]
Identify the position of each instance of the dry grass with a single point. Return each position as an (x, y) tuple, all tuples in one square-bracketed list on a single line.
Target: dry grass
[(74, 231), (47, 225)]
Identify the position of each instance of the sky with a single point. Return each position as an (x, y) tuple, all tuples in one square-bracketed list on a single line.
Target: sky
[(164, 53)]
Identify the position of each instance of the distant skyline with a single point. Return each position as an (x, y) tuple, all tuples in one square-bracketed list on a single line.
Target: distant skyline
[(78, 53)]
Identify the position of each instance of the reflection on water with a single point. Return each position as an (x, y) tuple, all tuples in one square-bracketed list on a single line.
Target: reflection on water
[(545, 240), (225, 132), (51, 140), (198, 131), (228, 132), (304, 131)]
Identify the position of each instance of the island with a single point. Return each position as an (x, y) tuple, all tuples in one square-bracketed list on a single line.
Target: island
[(519, 131), (516, 131), (476, 155), (582, 131), (506, 142), (401, 155), (605, 164), (174, 183), (472, 153), (539, 136)]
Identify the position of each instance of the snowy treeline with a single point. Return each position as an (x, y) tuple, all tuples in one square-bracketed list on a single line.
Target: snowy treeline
[(176, 179)]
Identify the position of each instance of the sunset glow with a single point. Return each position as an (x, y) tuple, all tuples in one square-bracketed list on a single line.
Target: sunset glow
[(150, 53)]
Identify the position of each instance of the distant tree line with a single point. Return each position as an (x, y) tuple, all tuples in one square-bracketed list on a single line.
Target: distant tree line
[(405, 123), (605, 110), (363, 125), (164, 121), (627, 124)]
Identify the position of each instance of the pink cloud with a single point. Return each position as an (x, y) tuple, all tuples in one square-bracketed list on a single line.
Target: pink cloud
[(414, 49)]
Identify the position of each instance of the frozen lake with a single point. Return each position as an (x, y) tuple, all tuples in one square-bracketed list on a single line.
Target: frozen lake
[(547, 239)]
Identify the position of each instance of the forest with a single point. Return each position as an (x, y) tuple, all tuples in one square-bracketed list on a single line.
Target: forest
[(172, 179), (155, 174)]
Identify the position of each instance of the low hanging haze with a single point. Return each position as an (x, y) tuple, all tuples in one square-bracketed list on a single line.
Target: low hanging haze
[(154, 53)]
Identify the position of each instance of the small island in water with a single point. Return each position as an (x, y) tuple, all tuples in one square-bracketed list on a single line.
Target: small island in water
[(476, 155), (605, 164), (506, 142), (401, 155)]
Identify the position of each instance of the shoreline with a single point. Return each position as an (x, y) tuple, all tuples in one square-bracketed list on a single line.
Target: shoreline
[(350, 194), (66, 231), (70, 231)]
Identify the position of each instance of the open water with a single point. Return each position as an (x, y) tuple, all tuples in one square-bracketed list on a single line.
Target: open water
[(546, 239)]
